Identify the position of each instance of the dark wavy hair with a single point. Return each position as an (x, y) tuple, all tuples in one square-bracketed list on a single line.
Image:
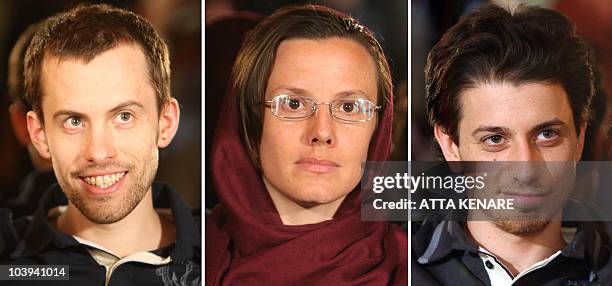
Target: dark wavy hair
[(492, 44)]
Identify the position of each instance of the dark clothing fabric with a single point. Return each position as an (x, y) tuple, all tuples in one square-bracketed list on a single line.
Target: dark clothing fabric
[(444, 254), (40, 243), (30, 191)]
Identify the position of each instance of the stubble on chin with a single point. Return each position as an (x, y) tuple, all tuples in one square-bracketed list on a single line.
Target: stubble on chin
[(521, 227), (113, 208)]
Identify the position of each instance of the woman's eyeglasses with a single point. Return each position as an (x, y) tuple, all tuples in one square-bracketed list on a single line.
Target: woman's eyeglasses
[(346, 110)]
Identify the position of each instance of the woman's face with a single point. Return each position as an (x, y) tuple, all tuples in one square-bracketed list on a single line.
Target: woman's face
[(317, 160)]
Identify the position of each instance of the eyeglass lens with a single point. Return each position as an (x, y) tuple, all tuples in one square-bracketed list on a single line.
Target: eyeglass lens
[(345, 109)]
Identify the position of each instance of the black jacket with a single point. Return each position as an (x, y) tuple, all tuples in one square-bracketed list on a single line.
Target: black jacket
[(31, 190), (444, 254), (33, 241)]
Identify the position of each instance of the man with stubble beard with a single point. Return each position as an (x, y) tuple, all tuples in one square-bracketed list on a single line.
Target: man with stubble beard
[(98, 81), (512, 86)]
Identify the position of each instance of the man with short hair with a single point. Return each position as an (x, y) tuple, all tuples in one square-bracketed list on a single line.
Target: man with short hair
[(511, 86), (98, 81)]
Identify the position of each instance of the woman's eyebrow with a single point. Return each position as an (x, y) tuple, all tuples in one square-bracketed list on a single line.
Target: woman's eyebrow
[(294, 90), (351, 92), (304, 92)]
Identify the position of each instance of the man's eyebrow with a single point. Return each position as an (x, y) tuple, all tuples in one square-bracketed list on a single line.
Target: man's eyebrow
[(69, 113), (126, 104), (549, 123), (491, 129), (504, 130)]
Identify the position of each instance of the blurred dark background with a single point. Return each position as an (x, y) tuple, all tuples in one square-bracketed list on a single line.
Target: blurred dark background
[(179, 24), (593, 19), (227, 21)]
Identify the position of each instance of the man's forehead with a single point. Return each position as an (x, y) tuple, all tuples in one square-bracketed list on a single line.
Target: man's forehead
[(514, 106), (115, 76), (128, 53)]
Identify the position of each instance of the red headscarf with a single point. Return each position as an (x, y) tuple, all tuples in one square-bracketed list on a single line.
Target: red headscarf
[(247, 244)]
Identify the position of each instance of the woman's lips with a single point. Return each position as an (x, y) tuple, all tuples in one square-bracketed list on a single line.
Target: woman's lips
[(317, 165)]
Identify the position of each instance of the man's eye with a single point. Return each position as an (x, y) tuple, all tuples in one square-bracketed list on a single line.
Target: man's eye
[(74, 122), (125, 116), (493, 140), (548, 135)]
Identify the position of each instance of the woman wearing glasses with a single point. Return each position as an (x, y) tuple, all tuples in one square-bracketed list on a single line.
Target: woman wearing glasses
[(311, 101)]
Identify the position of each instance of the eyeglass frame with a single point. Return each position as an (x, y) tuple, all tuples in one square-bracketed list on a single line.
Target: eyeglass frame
[(268, 103)]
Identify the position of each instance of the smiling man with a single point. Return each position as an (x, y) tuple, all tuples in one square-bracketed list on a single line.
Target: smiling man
[(98, 80), (512, 86)]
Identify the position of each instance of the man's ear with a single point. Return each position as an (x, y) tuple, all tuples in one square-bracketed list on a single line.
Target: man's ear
[(38, 137), (168, 122), (19, 122), (580, 141), (450, 150)]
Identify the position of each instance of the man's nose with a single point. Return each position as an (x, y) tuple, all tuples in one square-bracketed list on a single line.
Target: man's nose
[(99, 145), (321, 128), (527, 151), (528, 165)]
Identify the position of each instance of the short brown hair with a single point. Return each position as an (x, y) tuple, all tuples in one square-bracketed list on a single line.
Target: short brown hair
[(256, 58), (86, 32)]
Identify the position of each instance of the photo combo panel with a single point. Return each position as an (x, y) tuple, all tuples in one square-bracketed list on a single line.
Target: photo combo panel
[(298, 97), (509, 181), (101, 181)]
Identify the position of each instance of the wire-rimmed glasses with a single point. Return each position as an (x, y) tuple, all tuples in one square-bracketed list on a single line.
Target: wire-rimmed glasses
[(347, 110)]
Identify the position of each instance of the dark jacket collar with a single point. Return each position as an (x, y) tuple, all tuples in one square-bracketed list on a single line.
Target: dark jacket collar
[(39, 233)]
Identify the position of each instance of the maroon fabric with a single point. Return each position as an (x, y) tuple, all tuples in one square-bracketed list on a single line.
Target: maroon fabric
[(246, 241)]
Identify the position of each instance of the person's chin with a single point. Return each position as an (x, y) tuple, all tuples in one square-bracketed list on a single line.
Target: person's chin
[(315, 194), (522, 227)]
